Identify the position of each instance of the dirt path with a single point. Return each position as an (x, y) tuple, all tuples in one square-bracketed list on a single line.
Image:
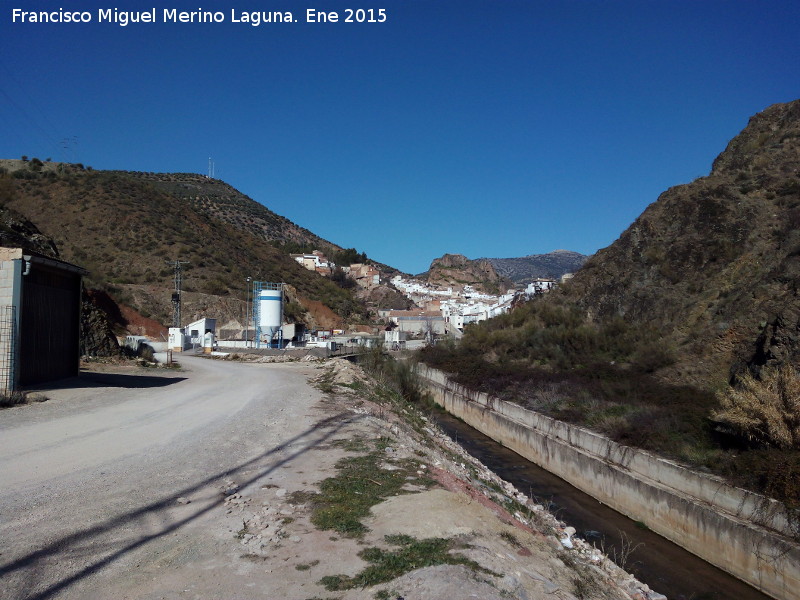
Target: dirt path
[(196, 484)]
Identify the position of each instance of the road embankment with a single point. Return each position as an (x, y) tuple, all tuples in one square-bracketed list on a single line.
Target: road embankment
[(740, 532)]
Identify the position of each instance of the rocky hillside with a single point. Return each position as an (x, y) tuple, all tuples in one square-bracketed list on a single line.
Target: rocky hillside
[(127, 228), (97, 338), (498, 274), (714, 265), (524, 269), (683, 336), (18, 232), (457, 270), (710, 270)]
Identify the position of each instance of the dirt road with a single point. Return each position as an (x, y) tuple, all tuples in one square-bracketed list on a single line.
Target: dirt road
[(91, 479), (150, 484)]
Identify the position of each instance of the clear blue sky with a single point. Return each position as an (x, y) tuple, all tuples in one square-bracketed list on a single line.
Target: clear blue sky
[(491, 128)]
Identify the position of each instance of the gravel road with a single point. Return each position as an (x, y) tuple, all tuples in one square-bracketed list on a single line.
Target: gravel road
[(95, 481), (194, 484)]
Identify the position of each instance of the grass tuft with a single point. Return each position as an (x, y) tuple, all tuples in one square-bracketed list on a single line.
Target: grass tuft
[(360, 483), (411, 554)]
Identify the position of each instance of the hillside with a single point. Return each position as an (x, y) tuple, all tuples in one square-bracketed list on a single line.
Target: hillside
[(96, 337), (683, 336), (126, 229), (524, 269), (18, 232), (713, 265), (218, 200)]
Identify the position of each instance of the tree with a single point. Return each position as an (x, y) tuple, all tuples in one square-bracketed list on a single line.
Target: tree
[(340, 278), (430, 331), (349, 256)]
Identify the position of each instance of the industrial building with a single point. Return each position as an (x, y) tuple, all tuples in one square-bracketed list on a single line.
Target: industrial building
[(40, 303), (417, 322), (195, 331), (194, 335)]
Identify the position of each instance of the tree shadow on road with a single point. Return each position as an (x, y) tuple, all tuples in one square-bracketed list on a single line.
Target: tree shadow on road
[(32, 569)]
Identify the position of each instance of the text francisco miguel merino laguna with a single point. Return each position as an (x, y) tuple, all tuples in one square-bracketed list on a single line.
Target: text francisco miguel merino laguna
[(172, 15)]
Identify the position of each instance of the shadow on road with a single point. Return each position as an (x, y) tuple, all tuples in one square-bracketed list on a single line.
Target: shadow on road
[(91, 379), (32, 569)]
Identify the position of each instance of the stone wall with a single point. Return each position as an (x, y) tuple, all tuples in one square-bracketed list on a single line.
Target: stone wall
[(742, 533)]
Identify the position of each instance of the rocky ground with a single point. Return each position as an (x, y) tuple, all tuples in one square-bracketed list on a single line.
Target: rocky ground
[(515, 549)]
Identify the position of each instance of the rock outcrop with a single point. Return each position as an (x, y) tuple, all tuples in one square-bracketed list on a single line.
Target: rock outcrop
[(457, 270), (97, 336)]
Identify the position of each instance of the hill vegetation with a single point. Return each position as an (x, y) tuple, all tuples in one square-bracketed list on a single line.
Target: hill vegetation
[(127, 228), (218, 200), (683, 336)]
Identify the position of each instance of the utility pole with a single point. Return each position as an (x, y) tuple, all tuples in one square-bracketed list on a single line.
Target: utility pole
[(247, 314), (176, 294)]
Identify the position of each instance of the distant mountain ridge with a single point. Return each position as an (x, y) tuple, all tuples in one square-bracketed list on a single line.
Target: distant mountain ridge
[(494, 275), (526, 268)]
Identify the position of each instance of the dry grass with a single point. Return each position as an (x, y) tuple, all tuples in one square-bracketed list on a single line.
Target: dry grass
[(765, 410)]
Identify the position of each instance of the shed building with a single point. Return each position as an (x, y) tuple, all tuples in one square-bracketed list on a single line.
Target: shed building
[(40, 303), (195, 331)]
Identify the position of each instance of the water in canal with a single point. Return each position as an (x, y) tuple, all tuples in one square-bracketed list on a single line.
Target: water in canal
[(664, 566)]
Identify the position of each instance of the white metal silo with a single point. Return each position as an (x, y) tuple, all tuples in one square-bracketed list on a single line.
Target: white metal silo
[(269, 310)]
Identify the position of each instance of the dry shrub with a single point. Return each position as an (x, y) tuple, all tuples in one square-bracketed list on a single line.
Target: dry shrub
[(765, 410), (8, 399)]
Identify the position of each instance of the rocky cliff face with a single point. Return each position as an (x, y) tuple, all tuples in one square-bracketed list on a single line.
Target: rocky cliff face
[(97, 336), (714, 265), (457, 270), (18, 232)]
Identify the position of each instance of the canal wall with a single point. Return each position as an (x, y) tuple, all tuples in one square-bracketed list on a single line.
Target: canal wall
[(742, 533)]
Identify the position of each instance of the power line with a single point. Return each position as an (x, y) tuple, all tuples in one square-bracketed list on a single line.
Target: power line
[(54, 132), (33, 121)]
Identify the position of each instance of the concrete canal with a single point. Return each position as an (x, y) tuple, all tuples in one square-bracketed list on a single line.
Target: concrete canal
[(664, 566)]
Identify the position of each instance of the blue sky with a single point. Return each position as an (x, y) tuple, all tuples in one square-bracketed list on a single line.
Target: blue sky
[(488, 128)]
